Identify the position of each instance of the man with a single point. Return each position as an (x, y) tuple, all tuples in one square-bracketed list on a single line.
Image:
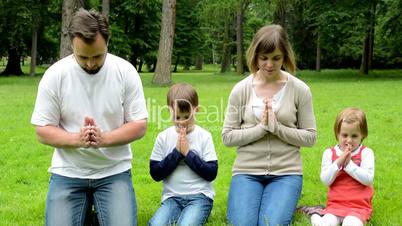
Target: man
[(90, 106)]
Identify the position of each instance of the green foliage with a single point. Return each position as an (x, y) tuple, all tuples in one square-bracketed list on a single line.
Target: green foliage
[(389, 48), (15, 17), (189, 40), (206, 27), (257, 15), (340, 27), (93, 4), (24, 162), (16, 21), (49, 31), (136, 28), (217, 21)]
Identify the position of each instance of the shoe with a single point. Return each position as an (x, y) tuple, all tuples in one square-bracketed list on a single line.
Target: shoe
[(310, 210)]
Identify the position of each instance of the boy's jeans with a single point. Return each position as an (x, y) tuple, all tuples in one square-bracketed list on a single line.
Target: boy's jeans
[(263, 200), (183, 210), (113, 197)]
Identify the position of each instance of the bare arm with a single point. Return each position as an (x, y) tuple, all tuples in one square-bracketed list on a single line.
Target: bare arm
[(91, 136), (125, 134), (57, 137)]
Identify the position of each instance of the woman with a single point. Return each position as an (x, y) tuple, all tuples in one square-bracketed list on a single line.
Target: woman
[(269, 117)]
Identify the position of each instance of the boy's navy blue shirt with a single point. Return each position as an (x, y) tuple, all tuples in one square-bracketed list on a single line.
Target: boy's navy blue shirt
[(159, 170)]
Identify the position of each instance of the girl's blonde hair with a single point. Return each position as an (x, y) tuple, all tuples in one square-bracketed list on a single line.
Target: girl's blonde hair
[(265, 41), (351, 115)]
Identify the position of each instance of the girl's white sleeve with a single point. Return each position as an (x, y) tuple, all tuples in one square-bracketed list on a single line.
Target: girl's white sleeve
[(329, 169), (365, 172)]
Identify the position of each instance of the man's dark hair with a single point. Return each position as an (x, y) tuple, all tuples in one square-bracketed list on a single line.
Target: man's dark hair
[(86, 25)]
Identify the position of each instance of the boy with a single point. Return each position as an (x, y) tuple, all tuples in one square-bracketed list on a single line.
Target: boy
[(184, 158)]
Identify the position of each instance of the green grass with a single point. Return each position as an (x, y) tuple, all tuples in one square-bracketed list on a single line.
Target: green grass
[(24, 162)]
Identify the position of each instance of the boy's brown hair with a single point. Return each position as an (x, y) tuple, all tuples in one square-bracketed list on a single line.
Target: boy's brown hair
[(351, 115), (183, 96)]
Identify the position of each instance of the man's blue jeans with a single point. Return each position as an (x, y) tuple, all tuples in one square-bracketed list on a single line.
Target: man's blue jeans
[(263, 200), (191, 210), (113, 197)]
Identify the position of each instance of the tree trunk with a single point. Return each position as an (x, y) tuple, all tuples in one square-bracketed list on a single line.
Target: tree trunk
[(152, 69), (239, 40), (280, 14), (163, 75), (69, 7), (133, 60), (106, 8), (368, 41), (199, 61), (34, 47), (13, 63), (176, 63), (140, 64), (213, 54), (371, 40), (365, 55), (318, 56), (225, 64)]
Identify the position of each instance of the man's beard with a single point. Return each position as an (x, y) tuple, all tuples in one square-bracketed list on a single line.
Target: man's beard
[(92, 71)]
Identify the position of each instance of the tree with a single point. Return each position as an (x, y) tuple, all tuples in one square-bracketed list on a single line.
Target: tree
[(199, 61), (240, 60), (69, 7), (226, 48), (15, 19), (37, 8), (318, 55), (163, 74), (218, 18), (337, 28), (388, 52), (34, 45), (368, 43), (281, 13), (135, 26), (189, 38), (105, 7)]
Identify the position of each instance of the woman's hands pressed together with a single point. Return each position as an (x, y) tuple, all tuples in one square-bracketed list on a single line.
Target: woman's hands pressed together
[(268, 118)]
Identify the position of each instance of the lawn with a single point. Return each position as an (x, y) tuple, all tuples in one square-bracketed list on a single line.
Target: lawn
[(24, 162)]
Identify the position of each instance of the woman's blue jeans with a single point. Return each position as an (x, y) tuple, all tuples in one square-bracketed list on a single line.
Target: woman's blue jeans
[(263, 200), (189, 210), (68, 200)]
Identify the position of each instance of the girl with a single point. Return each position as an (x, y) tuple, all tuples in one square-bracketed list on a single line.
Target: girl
[(348, 170)]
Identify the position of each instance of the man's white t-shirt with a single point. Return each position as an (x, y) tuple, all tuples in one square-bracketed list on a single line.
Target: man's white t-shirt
[(113, 96), (183, 180)]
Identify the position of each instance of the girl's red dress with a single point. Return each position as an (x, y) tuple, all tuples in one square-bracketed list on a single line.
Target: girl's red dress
[(347, 196)]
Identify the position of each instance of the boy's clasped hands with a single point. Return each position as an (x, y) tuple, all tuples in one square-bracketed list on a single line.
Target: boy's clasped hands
[(182, 142)]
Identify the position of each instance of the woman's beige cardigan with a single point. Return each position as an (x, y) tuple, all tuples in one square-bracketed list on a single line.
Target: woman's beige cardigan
[(261, 152)]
